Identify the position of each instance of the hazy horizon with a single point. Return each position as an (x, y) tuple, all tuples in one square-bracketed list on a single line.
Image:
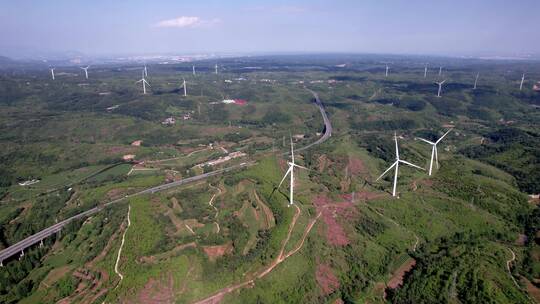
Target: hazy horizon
[(447, 28)]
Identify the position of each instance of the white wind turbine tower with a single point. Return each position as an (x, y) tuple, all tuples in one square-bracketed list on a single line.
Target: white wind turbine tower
[(386, 73), (476, 80), (52, 73), (291, 172), (440, 71), (145, 71), (85, 71), (396, 165), (434, 150), (440, 87), (193, 70), (425, 70), (144, 83), (184, 86), (216, 68), (520, 85)]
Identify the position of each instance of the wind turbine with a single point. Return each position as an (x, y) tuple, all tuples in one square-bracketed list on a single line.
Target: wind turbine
[(184, 86), (440, 87), (386, 73), (144, 83), (193, 70), (434, 150), (145, 71), (396, 165), (291, 172), (85, 71), (440, 71), (216, 68), (425, 70), (476, 80), (52, 73), (520, 86)]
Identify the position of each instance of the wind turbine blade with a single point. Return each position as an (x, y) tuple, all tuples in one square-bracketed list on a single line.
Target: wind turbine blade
[(139, 81), (412, 165), (437, 157), (397, 149), (443, 136), (443, 81), (389, 168), (301, 167), (429, 142), (292, 151), (285, 176)]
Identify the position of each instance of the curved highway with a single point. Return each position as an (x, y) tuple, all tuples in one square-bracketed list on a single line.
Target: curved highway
[(327, 124), (39, 236)]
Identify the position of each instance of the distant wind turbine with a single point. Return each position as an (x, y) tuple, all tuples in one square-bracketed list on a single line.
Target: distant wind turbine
[(52, 73), (184, 86), (291, 172), (386, 73), (520, 85), (396, 165), (144, 83), (434, 150), (145, 71), (476, 80), (425, 70), (85, 71), (216, 69), (440, 71), (440, 87), (194, 71)]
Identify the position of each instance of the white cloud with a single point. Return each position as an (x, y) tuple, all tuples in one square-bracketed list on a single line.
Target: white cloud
[(186, 22)]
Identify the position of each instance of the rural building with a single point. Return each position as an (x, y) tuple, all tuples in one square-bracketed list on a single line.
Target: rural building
[(240, 102), (169, 121)]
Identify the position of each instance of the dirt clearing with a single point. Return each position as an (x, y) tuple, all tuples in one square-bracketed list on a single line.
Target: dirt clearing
[(326, 279), (397, 277), (331, 212)]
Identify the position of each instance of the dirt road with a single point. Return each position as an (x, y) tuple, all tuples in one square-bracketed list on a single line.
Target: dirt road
[(216, 298)]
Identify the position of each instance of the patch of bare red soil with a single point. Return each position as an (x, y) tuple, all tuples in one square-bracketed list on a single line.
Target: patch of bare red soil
[(335, 234), (356, 166), (521, 240), (532, 290), (362, 196), (217, 251), (326, 279), (397, 277), (426, 182), (158, 291)]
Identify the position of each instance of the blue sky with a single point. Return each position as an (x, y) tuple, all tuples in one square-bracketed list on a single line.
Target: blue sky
[(456, 27)]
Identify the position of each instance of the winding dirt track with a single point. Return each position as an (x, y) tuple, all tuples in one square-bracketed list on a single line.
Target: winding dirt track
[(508, 263), (219, 192), (120, 249), (216, 297)]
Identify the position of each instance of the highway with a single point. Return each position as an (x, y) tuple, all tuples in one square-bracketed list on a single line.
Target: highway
[(327, 124), (39, 236)]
